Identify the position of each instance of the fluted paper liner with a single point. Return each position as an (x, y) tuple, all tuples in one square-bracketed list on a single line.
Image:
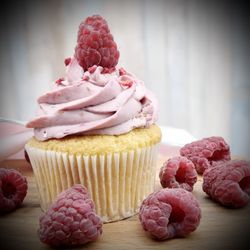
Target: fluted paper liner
[(117, 182)]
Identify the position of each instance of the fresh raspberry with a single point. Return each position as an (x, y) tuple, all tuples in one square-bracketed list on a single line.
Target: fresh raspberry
[(228, 183), (170, 213), (95, 44), (85, 78), (206, 152), (13, 189), (71, 220), (178, 172)]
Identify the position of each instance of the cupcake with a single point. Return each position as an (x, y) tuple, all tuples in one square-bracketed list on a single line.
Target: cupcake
[(96, 127)]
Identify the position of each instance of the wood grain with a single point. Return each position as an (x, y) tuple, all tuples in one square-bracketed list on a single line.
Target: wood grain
[(220, 228)]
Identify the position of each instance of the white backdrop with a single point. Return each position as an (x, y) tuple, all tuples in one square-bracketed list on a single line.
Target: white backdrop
[(193, 55)]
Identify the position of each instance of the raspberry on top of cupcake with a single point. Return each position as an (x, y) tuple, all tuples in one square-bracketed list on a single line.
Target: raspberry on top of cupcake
[(95, 44), (95, 97)]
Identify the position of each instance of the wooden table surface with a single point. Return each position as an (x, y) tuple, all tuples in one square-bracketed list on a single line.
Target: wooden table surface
[(220, 228)]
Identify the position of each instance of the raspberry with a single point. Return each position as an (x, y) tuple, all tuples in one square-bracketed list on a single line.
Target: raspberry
[(13, 189), (71, 220), (206, 152), (95, 44), (170, 213), (228, 183), (178, 172)]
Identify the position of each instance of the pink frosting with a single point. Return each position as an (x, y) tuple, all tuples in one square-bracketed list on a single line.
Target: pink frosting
[(94, 103)]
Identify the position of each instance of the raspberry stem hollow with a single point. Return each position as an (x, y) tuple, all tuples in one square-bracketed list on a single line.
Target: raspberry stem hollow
[(178, 172)]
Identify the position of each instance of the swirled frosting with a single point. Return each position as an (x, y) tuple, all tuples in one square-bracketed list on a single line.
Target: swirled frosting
[(94, 102)]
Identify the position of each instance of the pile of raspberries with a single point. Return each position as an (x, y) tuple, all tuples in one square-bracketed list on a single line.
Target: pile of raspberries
[(224, 180), (174, 211)]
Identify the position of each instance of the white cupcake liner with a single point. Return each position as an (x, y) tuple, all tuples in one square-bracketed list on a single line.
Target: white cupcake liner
[(117, 182)]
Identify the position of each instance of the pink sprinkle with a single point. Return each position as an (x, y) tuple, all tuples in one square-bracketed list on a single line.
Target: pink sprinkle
[(85, 78), (125, 81), (122, 72), (92, 69), (59, 81), (108, 70), (67, 61)]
